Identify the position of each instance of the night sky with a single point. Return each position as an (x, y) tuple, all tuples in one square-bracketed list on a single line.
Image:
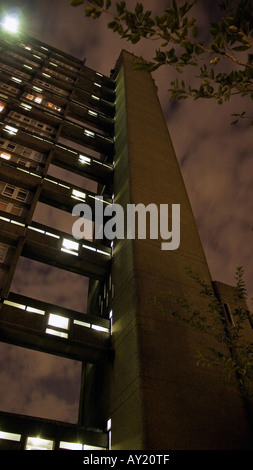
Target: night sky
[(217, 167)]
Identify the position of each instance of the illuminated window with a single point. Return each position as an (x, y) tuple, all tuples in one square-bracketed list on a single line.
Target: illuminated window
[(99, 328), (109, 430), (35, 310), (26, 106), (79, 195), (70, 247), (38, 99), (2, 106), (12, 208), (14, 304), (61, 334), (82, 323), (15, 79), (3, 206), (5, 156), (89, 133), (92, 113), (58, 321), (10, 436), (36, 443), (12, 130), (70, 446), (84, 159), (36, 88), (77, 446)]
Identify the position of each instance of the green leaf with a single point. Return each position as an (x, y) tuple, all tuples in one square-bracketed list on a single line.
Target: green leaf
[(138, 9), (113, 25), (108, 4), (92, 12), (233, 28), (121, 7), (241, 48)]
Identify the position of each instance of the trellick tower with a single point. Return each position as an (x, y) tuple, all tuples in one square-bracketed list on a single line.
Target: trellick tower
[(158, 398), (140, 386)]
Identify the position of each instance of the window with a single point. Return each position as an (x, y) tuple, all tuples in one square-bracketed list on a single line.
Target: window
[(11, 146), (38, 99), (37, 157), (70, 247), (58, 321), (3, 206), (15, 192), (10, 436), (8, 190), (11, 208), (37, 443), (26, 152), (22, 195), (5, 156), (15, 210)]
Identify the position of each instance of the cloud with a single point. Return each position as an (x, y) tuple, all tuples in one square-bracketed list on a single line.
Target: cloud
[(48, 386)]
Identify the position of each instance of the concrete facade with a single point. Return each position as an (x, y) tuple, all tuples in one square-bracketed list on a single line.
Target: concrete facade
[(159, 399)]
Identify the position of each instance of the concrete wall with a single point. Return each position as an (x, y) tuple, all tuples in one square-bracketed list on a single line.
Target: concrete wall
[(157, 398)]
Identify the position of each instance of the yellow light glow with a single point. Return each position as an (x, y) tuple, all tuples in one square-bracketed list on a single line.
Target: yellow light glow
[(36, 443), (10, 436), (84, 159), (10, 23), (80, 195), (5, 156), (50, 331), (70, 445), (58, 321), (69, 244)]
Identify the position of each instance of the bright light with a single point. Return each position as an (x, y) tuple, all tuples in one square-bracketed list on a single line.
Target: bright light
[(36, 443), (10, 23), (58, 321), (5, 156), (80, 195)]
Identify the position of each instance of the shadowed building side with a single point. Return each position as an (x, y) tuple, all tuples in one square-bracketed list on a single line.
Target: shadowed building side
[(159, 399)]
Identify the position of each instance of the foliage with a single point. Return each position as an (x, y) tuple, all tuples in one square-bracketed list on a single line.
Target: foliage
[(182, 43), (236, 358)]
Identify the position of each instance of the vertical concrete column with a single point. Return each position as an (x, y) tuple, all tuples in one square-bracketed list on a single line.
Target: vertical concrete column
[(158, 398)]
